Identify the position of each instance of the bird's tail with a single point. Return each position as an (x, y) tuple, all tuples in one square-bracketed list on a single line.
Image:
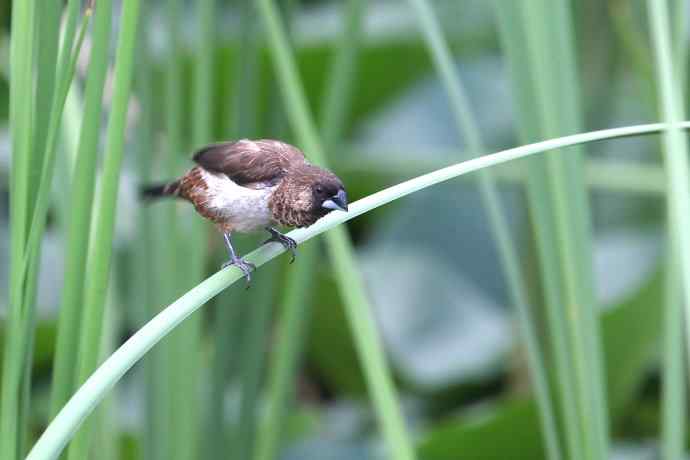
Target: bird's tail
[(155, 191)]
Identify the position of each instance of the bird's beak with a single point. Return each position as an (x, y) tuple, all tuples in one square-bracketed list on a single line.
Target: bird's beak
[(337, 201)]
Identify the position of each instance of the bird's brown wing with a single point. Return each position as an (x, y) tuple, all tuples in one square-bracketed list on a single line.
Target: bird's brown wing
[(250, 162)]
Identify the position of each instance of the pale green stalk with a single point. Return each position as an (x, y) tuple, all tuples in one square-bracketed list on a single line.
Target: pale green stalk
[(252, 362), (468, 127), (678, 192), (605, 175), (81, 198), (673, 392), (65, 424), (21, 123), (48, 38), (340, 248), (538, 38), (297, 299), (287, 349), (100, 253), (230, 308), (183, 438)]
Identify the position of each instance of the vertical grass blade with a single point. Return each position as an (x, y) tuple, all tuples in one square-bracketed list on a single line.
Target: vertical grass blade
[(678, 192), (99, 260), (185, 344), (231, 309), (538, 41), (350, 283), (287, 349), (21, 122), (296, 302), (48, 25), (467, 126), (674, 397), (81, 198)]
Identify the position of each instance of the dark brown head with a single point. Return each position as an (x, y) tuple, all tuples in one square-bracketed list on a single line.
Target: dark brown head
[(307, 194)]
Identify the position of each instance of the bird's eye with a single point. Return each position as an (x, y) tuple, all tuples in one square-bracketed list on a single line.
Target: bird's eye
[(319, 190)]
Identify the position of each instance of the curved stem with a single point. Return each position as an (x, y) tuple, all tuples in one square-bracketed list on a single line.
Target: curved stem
[(68, 420)]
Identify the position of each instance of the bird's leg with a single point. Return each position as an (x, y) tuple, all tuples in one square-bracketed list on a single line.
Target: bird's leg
[(287, 242), (238, 262)]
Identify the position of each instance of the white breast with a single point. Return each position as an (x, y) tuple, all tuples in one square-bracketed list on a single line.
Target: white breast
[(243, 208)]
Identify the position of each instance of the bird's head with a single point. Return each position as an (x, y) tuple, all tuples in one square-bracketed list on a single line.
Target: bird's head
[(328, 194)]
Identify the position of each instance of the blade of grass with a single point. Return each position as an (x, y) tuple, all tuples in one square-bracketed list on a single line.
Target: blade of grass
[(185, 345), (21, 103), (545, 77), (231, 308), (253, 350), (145, 256), (252, 364), (681, 13), (675, 149), (606, 175), (673, 395), (351, 287), (100, 252), (287, 349), (468, 127), (48, 25), (297, 298), (81, 197), (65, 424)]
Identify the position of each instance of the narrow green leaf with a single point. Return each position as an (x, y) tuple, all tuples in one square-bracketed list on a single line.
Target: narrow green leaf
[(296, 304), (100, 254), (675, 147), (65, 424), (468, 127), (21, 123), (340, 249), (81, 197)]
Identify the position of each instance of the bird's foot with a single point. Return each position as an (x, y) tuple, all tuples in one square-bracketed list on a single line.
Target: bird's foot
[(243, 265), (287, 242)]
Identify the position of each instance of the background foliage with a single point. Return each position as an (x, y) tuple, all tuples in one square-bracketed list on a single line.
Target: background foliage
[(532, 311)]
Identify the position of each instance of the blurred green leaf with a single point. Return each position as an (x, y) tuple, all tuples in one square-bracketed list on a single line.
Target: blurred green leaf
[(385, 71), (631, 333)]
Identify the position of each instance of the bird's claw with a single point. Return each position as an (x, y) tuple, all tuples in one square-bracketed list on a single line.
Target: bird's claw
[(243, 265), (287, 242)]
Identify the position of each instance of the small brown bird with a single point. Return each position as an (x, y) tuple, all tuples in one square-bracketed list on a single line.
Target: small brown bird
[(247, 185)]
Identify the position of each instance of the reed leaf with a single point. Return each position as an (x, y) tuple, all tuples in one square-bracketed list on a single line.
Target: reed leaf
[(340, 249), (675, 147), (81, 201), (84, 401), (100, 254), (296, 303), (17, 341), (468, 127)]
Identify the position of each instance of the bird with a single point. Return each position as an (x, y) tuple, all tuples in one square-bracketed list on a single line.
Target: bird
[(247, 185)]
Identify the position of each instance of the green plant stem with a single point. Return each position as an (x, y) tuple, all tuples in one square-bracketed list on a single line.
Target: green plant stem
[(230, 308), (81, 196), (601, 175), (16, 341), (675, 149), (673, 392), (467, 126), (65, 424), (340, 249), (102, 240), (537, 36), (48, 38), (296, 304), (290, 339), (252, 362)]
